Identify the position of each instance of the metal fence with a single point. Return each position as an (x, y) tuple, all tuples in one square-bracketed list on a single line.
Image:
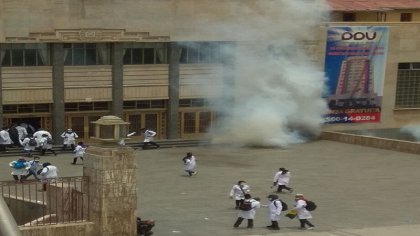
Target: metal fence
[(62, 200)]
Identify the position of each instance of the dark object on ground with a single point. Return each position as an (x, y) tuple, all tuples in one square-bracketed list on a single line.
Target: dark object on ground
[(144, 227)]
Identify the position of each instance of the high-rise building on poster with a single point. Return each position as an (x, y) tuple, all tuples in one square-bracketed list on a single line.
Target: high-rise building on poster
[(354, 65)]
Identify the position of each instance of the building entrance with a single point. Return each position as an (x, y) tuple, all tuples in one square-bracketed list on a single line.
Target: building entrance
[(31, 124), (195, 123), (144, 120)]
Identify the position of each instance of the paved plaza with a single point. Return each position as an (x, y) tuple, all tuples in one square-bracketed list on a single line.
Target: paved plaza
[(359, 190)]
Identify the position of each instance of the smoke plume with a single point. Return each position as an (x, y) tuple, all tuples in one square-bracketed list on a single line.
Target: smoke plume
[(277, 90), (413, 130)]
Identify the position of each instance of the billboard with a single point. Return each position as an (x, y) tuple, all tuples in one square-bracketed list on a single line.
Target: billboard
[(355, 69)]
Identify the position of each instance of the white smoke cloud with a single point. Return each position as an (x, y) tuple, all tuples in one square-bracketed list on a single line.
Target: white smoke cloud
[(277, 88), (413, 129)]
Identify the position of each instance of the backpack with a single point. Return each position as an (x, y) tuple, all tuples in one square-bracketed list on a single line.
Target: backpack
[(310, 205), (245, 206), (49, 141), (32, 142), (19, 165), (284, 206)]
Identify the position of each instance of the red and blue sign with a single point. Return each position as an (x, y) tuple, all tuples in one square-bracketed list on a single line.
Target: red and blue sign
[(355, 69)]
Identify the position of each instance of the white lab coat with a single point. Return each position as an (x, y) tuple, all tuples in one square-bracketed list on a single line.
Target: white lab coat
[(190, 163), (236, 192), (302, 213), (148, 135), (49, 174), (79, 151), (22, 171), (282, 179), (34, 166), (5, 138), (43, 143), (38, 135), (274, 210), (26, 146), (21, 132), (251, 213), (69, 138)]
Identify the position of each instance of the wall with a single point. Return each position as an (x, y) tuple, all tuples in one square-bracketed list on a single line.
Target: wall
[(181, 20), (23, 85), (72, 229)]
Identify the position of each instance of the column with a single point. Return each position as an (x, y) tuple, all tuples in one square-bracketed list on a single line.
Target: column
[(57, 60), (173, 91), (112, 189), (117, 79)]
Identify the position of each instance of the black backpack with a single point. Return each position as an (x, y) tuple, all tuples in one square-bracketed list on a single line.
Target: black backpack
[(284, 206), (310, 205), (50, 141), (32, 142), (245, 206)]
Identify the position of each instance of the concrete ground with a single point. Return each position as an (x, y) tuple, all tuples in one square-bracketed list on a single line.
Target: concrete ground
[(359, 190)]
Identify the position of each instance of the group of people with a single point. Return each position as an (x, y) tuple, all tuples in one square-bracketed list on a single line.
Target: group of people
[(23, 169), (247, 205), (41, 140)]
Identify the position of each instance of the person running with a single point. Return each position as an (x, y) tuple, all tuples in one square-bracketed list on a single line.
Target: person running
[(19, 169), (69, 139), (238, 192), (22, 132), (275, 208), (29, 144), (247, 212), (190, 164), (79, 152), (46, 144), (49, 174), (302, 213), (38, 135), (148, 138), (34, 166), (5, 140), (281, 180)]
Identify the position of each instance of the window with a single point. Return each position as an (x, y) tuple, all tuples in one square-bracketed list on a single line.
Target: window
[(129, 104), (349, 16), (86, 54), (91, 125), (41, 107), (21, 54), (204, 121), (196, 102), (200, 52), (408, 86), (26, 108), (189, 122), (87, 106), (135, 123), (406, 17), (144, 104), (141, 53)]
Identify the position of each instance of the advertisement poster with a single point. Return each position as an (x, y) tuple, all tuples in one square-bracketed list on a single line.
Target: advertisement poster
[(355, 68)]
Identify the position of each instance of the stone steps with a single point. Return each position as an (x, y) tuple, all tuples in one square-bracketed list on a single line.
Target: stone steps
[(164, 143)]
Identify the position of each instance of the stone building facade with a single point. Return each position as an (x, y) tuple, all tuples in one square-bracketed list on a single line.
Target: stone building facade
[(157, 64)]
